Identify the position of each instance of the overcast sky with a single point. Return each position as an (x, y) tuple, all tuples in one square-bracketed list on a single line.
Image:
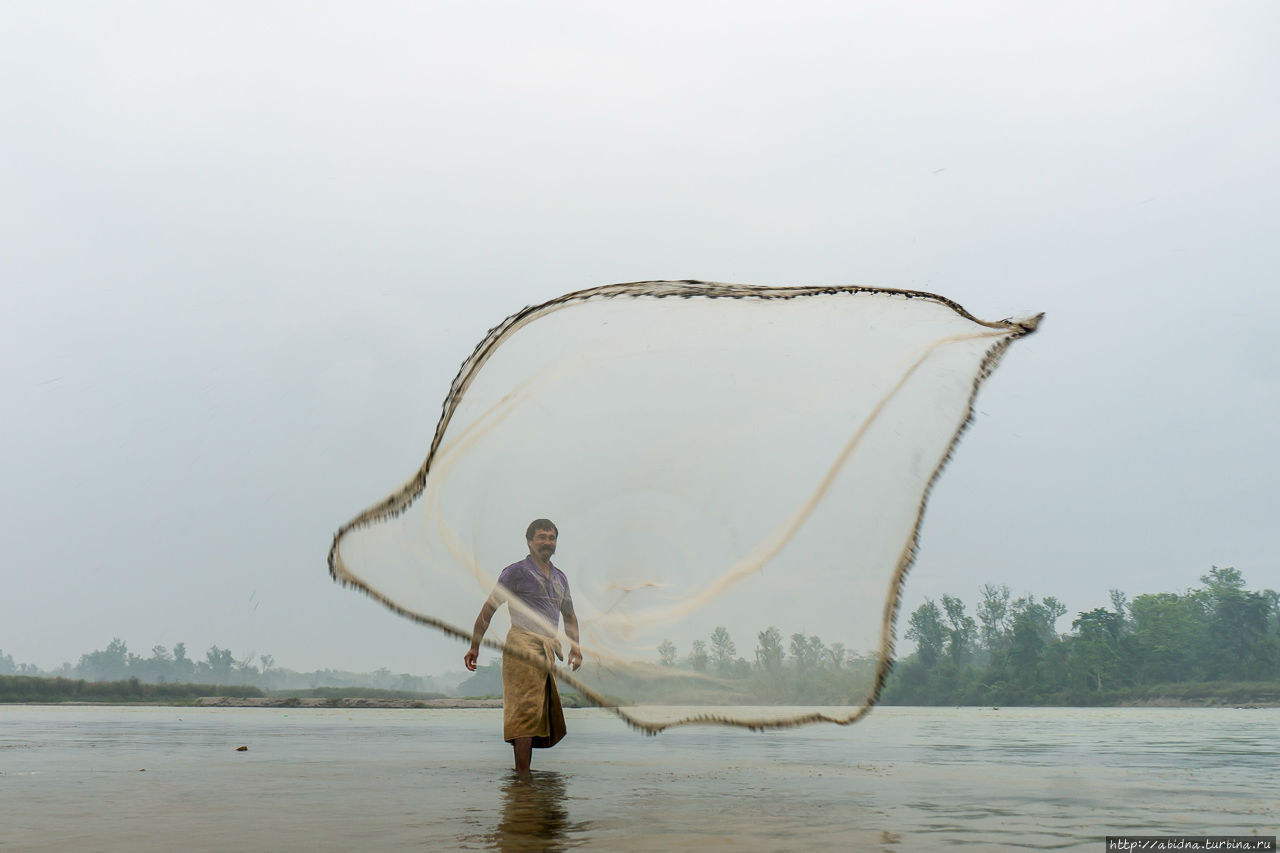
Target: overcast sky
[(245, 246)]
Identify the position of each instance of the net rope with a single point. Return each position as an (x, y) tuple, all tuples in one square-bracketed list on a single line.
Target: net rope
[(753, 460)]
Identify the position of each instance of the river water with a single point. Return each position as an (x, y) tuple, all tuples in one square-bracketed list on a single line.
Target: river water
[(905, 779)]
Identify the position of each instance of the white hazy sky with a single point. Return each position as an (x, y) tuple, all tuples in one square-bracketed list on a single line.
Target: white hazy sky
[(244, 247)]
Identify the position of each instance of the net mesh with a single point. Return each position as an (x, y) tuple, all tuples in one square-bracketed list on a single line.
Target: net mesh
[(738, 475)]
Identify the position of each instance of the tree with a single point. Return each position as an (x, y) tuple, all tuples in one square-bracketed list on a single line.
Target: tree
[(993, 614), (926, 628), (1119, 604), (817, 652), (698, 656), (183, 667), (1167, 630), (962, 629), (1228, 578), (723, 651), (667, 653), (109, 664), (1054, 610), (1040, 615), (247, 673), (268, 678), (1238, 628), (219, 662), (805, 651), (158, 667), (1026, 643), (1096, 646), (769, 651)]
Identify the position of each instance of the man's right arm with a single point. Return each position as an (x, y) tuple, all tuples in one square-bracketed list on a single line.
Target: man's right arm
[(472, 658)]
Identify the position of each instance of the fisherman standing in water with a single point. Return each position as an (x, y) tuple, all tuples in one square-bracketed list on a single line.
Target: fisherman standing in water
[(537, 594)]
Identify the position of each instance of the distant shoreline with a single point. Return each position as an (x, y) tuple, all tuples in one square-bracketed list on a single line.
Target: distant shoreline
[(357, 702), (1193, 703), (343, 702), (352, 702), (348, 703)]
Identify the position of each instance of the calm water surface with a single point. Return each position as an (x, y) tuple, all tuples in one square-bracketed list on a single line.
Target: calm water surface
[(93, 778)]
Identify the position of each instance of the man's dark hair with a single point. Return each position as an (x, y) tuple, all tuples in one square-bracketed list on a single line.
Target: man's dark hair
[(540, 524)]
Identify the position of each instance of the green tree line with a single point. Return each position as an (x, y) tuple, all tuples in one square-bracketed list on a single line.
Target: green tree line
[(1008, 652), (1156, 644), (116, 663), (31, 688), (1220, 640), (800, 669)]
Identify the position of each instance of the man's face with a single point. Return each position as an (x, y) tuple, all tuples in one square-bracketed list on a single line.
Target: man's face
[(543, 543)]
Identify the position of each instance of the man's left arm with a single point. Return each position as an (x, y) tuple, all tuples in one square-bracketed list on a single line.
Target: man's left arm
[(571, 628)]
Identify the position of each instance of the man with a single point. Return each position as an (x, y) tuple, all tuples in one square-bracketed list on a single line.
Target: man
[(537, 595)]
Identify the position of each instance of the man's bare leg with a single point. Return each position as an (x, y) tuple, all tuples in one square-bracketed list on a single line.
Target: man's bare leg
[(523, 747)]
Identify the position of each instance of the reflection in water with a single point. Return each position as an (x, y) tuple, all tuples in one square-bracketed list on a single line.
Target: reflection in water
[(535, 815)]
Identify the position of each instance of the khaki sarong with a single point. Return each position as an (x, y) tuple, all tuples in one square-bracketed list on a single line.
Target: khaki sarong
[(530, 700)]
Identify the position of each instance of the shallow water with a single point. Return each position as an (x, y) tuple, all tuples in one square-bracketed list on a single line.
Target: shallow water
[(111, 778)]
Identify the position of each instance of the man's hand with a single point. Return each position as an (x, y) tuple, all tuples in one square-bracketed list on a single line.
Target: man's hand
[(575, 658), (472, 657)]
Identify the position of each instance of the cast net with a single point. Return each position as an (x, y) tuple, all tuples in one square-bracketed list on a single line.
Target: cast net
[(738, 475)]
